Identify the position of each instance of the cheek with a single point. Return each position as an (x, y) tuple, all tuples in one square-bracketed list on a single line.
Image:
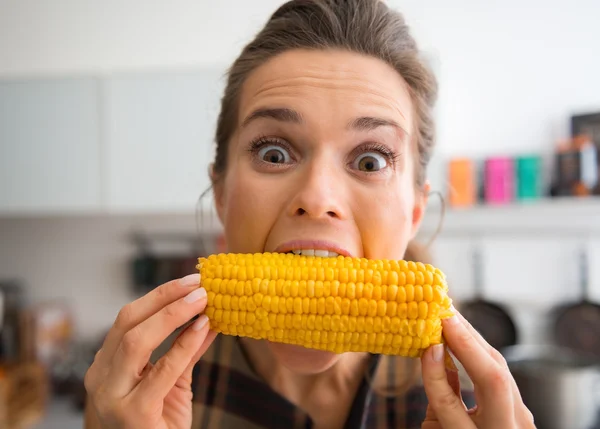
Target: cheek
[(241, 222), (250, 208), (385, 221)]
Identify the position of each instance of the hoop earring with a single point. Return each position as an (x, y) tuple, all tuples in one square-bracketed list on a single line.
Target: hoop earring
[(442, 217), (200, 218)]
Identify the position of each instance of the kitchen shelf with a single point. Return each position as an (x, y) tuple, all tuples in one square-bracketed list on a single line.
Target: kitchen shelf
[(561, 215)]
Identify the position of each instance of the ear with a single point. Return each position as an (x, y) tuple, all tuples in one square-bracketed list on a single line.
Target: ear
[(421, 199), (218, 191)]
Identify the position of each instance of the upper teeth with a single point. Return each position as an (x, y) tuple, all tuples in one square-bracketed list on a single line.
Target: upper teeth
[(315, 252)]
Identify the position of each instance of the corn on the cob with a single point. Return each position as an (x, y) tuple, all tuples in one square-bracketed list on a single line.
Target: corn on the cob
[(336, 304)]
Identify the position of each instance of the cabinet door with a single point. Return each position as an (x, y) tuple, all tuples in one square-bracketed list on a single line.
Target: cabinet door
[(49, 146), (160, 134)]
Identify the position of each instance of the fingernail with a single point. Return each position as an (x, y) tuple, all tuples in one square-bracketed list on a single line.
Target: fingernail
[(452, 320), (199, 324), (438, 352), (195, 295), (191, 280), (472, 410)]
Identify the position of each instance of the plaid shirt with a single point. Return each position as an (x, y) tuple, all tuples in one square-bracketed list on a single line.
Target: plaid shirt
[(229, 394)]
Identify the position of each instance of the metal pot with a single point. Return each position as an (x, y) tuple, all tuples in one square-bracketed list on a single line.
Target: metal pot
[(560, 387)]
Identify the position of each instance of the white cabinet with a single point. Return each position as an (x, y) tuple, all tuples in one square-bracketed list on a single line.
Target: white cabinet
[(160, 138), (49, 146)]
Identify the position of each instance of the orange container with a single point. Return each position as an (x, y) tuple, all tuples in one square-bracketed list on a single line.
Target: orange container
[(462, 177)]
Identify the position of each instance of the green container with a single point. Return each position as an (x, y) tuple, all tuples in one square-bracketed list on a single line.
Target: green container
[(529, 180)]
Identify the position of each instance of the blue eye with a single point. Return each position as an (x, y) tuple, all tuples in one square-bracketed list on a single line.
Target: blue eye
[(370, 162), (274, 155)]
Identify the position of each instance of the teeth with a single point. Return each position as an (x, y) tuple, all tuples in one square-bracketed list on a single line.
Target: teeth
[(315, 252)]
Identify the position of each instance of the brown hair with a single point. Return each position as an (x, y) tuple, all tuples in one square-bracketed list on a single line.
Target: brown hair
[(366, 27)]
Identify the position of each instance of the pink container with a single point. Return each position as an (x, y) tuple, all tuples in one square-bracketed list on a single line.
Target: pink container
[(499, 180)]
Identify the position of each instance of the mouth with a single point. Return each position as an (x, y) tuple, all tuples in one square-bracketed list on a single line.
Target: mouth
[(312, 248)]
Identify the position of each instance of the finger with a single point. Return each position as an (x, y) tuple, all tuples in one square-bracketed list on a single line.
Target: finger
[(497, 356), (138, 344), (493, 382), (165, 373), (142, 308), (479, 338), (186, 378), (454, 382), (430, 415), (430, 424), (525, 418), (475, 357), (95, 374), (522, 414), (443, 400)]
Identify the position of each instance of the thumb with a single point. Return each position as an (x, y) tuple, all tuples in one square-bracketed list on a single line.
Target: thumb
[(442, 388), (453, 381)]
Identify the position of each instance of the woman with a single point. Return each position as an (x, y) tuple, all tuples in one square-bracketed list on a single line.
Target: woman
[(323, 141)]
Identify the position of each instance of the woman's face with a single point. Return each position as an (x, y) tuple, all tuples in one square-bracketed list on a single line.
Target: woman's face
[(322, 161)]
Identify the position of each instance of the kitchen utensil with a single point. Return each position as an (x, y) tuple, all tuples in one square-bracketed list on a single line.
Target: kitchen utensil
[(577, 325), (559, 386), (491, 320)]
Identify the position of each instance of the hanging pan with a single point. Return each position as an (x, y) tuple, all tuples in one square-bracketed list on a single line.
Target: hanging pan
[(491, 320), (577, 325)]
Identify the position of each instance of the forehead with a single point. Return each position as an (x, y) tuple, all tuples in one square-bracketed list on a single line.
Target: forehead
[(313, 81)]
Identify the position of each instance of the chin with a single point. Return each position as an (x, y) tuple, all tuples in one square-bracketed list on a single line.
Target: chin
[(302, 360)]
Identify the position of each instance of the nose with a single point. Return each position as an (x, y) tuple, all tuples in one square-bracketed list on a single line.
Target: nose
[(319, 194)]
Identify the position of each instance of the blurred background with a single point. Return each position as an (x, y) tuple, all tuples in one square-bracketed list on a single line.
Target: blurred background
[(107, 114)]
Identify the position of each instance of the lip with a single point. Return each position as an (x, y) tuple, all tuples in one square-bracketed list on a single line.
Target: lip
[(311, 244)]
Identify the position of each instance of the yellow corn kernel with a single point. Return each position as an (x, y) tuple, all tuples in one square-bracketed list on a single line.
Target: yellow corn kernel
[(338, 304)]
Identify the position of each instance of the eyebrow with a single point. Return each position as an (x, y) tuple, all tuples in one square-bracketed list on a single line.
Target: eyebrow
[(369, 123), (282, 114), (279, 114)]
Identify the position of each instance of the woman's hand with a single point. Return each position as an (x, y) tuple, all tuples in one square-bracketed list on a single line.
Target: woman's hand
[(125, 389), (499, 403)]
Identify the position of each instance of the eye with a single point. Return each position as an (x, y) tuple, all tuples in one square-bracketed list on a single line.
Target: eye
[(274, 155), (370, 162)]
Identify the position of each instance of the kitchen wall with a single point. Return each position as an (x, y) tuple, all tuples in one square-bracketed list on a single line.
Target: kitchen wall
[(511, 73), (83, 261)]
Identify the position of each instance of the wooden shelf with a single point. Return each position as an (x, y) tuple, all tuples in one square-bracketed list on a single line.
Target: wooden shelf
[(568, 216)]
